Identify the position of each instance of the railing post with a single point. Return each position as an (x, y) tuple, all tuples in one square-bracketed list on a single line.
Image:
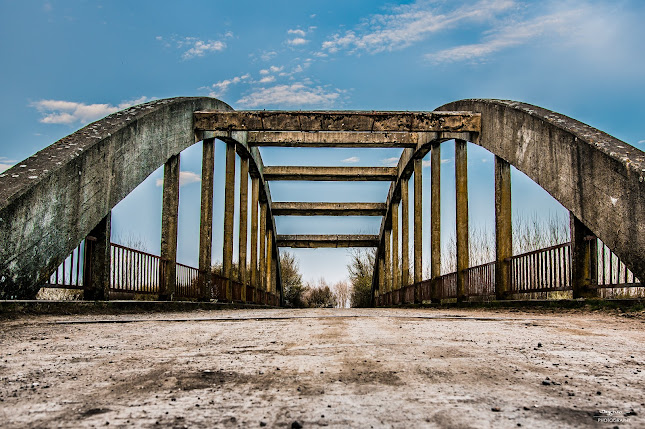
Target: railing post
[(97, 262), (405, 234), (255, 193), (584, 260), (169, 219), (418, 225), (229, 212), (396, 272), (435, 220), (244, 210), (503, 228), (206, 219), (381, 276), (263, 252), (461, 209)]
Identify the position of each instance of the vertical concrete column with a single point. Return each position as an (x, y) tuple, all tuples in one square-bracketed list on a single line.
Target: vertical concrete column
[(206, 219), (405, 234), (381, 275), (418, 227), (255, 193), (244, 210), (269, 259), (97, 261), (396, 271), (584, 260), (388, 260), (229, 213), (169, 218), (263, 251), (503, 228), (461, 181), (435, 219)]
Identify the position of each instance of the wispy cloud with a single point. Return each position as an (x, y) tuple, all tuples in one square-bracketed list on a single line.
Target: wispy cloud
[(298, 36), (219, 88), (641, 141), (6, 163), (68, 112), (390, 162), (185, 178), (272, 69), (298, 41), (200, 48), (195, 47), (267, 79), (351, 160), (515, 34), (296, 94), (408, 24), (297, 32)]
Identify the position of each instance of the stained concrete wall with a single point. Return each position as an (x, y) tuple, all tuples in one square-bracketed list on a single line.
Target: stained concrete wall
[(599, 178), (52, 200)]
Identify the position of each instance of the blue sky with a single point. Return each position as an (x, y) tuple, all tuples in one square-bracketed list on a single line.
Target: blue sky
[(67, 63)]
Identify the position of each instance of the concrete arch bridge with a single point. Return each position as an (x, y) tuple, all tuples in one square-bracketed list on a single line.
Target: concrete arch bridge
[(55, 206)]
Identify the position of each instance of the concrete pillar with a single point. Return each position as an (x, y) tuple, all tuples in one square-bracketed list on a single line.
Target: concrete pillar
[(461, 181), (255, 193), (418, 224), (584, 260), (388, 260), (396, 271), (405, 234), (244, 210), (169, 218), (206, 219), (503, 228), (269, 259), (97, 261), (435, 219), (229, 213), (263, 251)]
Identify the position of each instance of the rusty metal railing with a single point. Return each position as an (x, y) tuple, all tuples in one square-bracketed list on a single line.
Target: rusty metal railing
[(69, 275), (544, 270), (135, 271)]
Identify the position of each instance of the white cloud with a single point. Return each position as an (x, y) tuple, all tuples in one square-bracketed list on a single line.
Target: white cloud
[(298, 41), (185, 178), (351, 160), (267, 79), (219, 88), (68, 112), (408, 24), (514, 34), (200, 48), (296, 94), (390, 162), (6, 163), (426, 163), (641, 141), (445, 161), (267, 56), (297, 32)]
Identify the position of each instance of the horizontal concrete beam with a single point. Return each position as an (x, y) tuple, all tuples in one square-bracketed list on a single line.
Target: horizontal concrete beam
[(333, 241), (261, 120), (333, 139), (330, 173), (328, 209)]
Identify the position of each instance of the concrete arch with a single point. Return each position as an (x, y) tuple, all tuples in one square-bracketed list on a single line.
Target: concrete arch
[(598, 178), (52, 200)]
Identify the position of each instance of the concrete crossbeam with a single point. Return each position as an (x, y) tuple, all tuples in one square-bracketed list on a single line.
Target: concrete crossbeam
[(333, 139), (330, 173), (328, 209), (337, 121), (329, 241)]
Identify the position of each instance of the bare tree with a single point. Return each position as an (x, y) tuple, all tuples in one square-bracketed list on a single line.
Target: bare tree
[(342, 290)]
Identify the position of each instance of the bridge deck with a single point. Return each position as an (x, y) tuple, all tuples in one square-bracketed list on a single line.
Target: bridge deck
[(335, 368)]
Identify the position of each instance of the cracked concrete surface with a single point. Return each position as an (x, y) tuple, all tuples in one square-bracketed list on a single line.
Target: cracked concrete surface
[(336, 368)]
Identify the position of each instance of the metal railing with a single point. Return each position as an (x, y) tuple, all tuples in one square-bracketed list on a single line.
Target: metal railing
[(134, 271), (539, 271)]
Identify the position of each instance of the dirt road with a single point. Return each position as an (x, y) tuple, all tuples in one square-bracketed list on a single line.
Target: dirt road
[(336, 368)]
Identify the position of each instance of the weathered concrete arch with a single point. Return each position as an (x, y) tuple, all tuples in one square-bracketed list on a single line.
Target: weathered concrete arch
[(598, 178), (52, 200)]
